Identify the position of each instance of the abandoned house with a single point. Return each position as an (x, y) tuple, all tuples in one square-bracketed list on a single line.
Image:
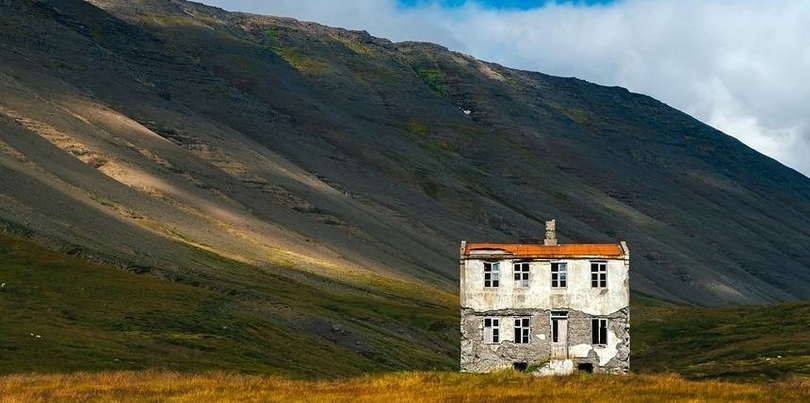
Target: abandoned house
[(548, 308)]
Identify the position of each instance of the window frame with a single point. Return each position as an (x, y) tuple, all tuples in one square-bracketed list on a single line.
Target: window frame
[(522, 330), (599, 334), (599, 274), (491, 330), (492, 274), (559, 275), (521, 274)]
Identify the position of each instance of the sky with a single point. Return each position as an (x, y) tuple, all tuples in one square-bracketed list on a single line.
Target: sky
[(742, 66)]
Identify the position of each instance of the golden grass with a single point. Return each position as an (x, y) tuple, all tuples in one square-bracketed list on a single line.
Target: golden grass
[(508, 386)]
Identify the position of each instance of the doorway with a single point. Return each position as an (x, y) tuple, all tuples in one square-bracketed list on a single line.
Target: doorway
[(559, 335)]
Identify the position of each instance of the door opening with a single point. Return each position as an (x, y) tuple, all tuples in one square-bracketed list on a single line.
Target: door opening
[(559, 335)]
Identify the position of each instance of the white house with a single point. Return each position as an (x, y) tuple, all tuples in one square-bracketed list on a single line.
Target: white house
[(549, 308)]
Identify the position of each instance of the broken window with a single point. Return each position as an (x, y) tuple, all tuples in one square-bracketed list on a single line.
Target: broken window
[(492, 330), (521, 274), (521, 330), (599, 331), (599, 274), (559, 275), (558, 326), (492, 274)]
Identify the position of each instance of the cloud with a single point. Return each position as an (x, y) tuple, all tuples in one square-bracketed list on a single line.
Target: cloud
[(741, 66), (382, 18)]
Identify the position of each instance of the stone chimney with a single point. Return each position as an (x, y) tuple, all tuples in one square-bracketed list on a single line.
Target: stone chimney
[(551, 233)]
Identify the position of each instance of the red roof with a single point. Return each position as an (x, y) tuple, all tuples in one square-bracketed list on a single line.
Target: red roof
[(543, 251)]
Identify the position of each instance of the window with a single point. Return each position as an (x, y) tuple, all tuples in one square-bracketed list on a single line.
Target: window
[(599, 274), (521, 330), (559, 275), (492, 274), (521, 274), (599, 331), (492, 330), (558, 326)]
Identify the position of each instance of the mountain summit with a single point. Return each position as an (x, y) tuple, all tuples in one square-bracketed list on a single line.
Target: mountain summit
[(167, 137)]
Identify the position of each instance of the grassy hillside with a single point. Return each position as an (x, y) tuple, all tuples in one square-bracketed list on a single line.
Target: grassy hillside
[(63, 314), (395, 387), (739, 342)]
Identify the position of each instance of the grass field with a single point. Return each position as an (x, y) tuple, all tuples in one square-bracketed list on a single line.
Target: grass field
[(76, 331), (393, 387)]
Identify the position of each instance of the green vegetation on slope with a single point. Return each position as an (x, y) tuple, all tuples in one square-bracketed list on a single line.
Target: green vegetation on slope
[(63, 314), (738, 342), (434, 79)]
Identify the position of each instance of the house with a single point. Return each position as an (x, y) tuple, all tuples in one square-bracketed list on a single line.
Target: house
[(549, 308)]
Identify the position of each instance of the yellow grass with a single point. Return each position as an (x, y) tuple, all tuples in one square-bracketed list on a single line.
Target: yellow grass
[(152, 386)]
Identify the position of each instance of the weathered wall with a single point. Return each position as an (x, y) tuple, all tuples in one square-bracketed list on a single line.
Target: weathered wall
[(579, 295), (477, 356), (578, 299)]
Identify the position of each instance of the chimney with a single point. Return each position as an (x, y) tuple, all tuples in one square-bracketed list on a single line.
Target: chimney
[(551, 233)]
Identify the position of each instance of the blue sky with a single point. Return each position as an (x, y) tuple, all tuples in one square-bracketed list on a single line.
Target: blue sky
[(742, 66)]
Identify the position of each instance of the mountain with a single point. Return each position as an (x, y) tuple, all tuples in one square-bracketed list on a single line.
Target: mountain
[(216, 149)]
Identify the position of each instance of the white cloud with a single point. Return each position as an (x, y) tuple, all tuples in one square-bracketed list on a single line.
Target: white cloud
[(741, 66)]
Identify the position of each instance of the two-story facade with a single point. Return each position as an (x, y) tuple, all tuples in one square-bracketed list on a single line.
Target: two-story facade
[(549, 308)]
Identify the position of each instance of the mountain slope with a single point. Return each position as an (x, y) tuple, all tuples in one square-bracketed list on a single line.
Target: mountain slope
[(163, 136)]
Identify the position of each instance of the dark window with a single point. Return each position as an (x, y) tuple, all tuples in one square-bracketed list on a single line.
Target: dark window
[(521, 330), (599, 331), (599, 274), (492, 274), (559, 275), (492, 330), (521, 274)]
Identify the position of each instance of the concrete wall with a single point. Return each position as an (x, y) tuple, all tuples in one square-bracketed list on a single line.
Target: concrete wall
[(581, 302), (579, 294)]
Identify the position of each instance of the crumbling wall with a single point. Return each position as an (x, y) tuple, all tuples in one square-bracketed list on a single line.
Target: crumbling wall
[(612, 357), (477, 356)]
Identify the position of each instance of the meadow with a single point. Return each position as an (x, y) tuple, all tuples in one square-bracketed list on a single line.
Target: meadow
[(73, 331), (507, 386)]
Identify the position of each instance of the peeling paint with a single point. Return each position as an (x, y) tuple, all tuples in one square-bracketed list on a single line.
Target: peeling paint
[(580, 350), (609, 351)]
